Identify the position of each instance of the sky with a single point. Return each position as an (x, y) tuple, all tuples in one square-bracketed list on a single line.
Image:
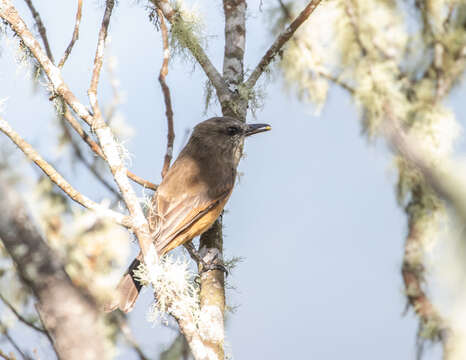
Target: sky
[(314, 215)]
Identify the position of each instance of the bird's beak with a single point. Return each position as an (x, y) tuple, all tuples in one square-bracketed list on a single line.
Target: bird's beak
[(257, 128)]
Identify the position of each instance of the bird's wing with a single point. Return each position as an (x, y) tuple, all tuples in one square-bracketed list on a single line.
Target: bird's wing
[(183, 198), (179, 216)]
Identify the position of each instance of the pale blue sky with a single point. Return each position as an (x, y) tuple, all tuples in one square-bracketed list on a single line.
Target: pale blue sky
[(314, 215)]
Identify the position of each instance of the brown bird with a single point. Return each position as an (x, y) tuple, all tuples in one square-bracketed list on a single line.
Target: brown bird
[(193, 193)]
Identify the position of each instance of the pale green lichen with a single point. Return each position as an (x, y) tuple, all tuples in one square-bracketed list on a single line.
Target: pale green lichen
[(173, 282), (186, 31)]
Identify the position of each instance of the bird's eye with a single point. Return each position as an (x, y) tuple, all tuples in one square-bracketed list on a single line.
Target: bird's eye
[(233, 130)]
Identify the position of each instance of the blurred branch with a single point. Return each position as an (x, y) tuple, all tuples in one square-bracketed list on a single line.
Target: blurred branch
[(128, 335), (279, 42), (48, 169), (413, 271), (178, 350), (67, 313), (6, 357), (285, 10), (20, 317), (166, 95), (41, 28), (334, 79), (441, 176), (350, 9), (6, 334), (74, 37)]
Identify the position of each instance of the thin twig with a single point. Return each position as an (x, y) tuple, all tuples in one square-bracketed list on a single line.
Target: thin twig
[(99, 59), (279, 42), (6, 357), (351, 13), (12, 341), (75, 36), (195, 48), (166, 95), (20, 317), (98, 151), (335, 79), (48, 169), (87, 164), (128, 335), (41, 28), (285, 10)]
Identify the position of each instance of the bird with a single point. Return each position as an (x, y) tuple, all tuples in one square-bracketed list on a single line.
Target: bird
[(192, 194)]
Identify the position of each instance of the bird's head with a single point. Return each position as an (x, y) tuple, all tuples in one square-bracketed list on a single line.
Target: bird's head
[(226, 130)]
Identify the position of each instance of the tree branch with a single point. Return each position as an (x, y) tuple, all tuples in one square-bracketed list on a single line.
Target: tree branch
[(166, 95), (413, 271), (13, 343), (41, 28), (233, 61), (9, 13), (196, 50), (235, 39), (127, 334), (279, 42), (110, 149), (99, 59), (212, 295), (90, 167), (98, 151), (75, 36), (48, 169), (67, 313), (20, 317)]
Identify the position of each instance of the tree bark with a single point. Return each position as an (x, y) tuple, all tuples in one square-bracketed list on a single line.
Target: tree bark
[(68, 314)]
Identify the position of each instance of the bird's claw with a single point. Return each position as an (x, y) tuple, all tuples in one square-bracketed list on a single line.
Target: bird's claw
[(212, 266)]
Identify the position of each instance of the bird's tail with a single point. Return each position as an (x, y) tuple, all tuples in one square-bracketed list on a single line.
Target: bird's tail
[(127, 290)]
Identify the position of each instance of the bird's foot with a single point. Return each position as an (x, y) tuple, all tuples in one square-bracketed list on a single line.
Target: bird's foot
[(205, 266), (212, 266)]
